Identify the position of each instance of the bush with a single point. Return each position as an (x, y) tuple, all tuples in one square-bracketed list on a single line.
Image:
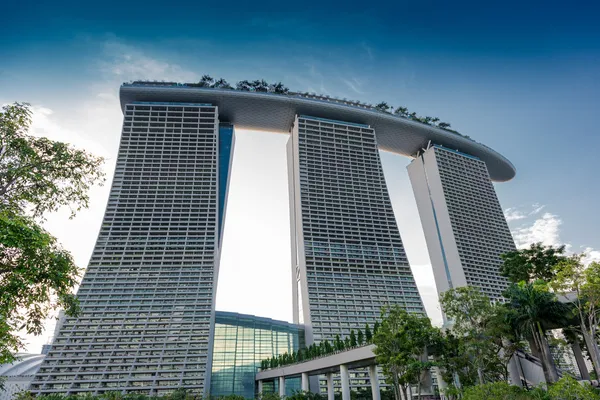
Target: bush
[(497, 391), (568, 388)]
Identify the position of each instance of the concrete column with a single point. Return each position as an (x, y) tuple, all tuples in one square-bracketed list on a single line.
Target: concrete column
[(305, 387), (282, 386), (330, 392), (514, 375), (345, 382), (583, 370), (374, 382), (260, 387)]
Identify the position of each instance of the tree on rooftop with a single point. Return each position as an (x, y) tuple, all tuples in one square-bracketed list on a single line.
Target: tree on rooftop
[(383, 106), (37, 175), (278, 88), (368, 334), (401, 111), (206, 81), (243, 86), (260, 85), (361, 338), (444, 125), (221, 84), (338, 344)]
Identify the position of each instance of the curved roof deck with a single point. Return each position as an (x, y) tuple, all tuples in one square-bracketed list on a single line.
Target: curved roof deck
[(276, 113)]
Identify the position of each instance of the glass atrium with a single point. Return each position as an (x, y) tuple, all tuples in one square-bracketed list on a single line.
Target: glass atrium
[(240, 343)]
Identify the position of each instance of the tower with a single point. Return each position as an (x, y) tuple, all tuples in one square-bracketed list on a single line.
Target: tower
[(347, 256), (464, 225), (147, 297)]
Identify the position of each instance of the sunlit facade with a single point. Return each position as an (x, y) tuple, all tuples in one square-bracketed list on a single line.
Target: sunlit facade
[(463, 222), (147, 297)]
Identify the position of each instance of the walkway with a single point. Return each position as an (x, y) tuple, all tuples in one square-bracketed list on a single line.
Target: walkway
[(341, 363)]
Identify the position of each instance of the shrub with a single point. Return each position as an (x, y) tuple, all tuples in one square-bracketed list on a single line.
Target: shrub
[(568, 388), (495, 391)]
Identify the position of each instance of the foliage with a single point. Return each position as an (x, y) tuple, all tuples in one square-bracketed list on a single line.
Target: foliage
[(531, 308), (568, 388), (40, 175), (321, 349), (574, 278), (401, 344), (474, 344), (306, 396), (538, 262), (502, 391), (36, 275), (37, 175), (269, 396), (261, 86)]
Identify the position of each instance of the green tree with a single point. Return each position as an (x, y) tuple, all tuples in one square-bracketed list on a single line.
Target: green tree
[(403, 111), (383, 106), (368, 334), (531, 307), (206, 81), (473, 318), (361, 338), (568, 388), (581, 284), (375, 327), (401, 347), (338, 344), (37, 175), (347, 344), (353, 341), (221, 84), (536, 262), (503, 391)]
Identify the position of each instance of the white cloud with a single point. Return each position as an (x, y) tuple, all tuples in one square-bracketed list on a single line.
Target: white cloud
[(591, 255), (544, 229), (353, 84), (126, 62), (512, 214), (537, 208)]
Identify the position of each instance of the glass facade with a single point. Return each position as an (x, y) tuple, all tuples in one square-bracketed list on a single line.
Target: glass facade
[(240, 343)]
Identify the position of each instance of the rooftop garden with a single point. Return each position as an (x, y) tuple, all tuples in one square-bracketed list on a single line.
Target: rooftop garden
[(262, 86), (324, 348)]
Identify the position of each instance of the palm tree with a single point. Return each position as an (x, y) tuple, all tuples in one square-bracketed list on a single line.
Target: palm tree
[(383, 106), (206, 81), (401, 111), (531, 308), (243, 86), (221, 84), (279, 88)]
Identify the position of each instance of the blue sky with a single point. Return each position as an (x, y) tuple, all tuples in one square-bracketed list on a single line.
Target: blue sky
[(521, 78)]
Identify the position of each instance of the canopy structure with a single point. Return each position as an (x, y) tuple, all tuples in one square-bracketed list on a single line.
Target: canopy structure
[(276, 112)]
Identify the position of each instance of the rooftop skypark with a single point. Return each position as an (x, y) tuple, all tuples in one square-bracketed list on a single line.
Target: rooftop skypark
[(262, 86)]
